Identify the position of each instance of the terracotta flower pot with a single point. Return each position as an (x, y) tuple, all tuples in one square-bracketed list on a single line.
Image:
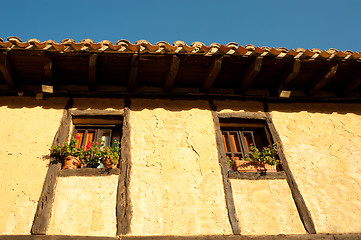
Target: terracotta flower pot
[(71, 162), (108, 164), (253, 166)]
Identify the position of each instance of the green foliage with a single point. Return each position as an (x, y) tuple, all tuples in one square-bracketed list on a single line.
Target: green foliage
[(268, 155), (230, 161), (91, 156), (68, 149)]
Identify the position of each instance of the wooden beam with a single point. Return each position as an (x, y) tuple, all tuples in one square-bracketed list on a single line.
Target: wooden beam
[(133, 72), (46, 200), (172, 73), (124, 206), (81, 172), (92, 71), (292, 71), (257, 175), (251, 74), (48, 70), (232, 215), (5, 69), (354, 83), (326, 76), (212, 74), (302, 209)]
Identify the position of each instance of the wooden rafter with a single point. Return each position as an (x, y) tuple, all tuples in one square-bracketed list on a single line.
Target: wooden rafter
[(92, 71), (48, 70), (133, 72), (251, 74), (354, 83), (172, 73), (290, 74), (326, 76), (5, 69), (212, 74)]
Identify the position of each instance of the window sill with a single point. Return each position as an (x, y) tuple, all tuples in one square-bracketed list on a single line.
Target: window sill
[(257, 175), (91, 172)]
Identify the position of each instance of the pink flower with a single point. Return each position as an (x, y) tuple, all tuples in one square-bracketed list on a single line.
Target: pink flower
[(89, 145)]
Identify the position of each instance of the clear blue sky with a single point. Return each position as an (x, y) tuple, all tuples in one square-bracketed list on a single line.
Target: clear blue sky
[(310, 24)]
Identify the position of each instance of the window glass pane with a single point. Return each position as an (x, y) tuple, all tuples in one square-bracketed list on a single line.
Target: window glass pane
[(80, 135), (235, 142), (248, 139), (89, 136), (260, 139), (225, 142), (106, 137)]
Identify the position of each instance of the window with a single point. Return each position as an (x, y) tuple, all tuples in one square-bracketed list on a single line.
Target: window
[(97, 133), (238, 137)]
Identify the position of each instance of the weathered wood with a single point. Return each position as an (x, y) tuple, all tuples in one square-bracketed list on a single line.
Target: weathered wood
[(45, 203), (54, 237), (232, 215), (244, 115), (5, 69), (257, 175), (92, 71), (97, 112), (302, 209), (354, 83), (133, 72), (251, 74), (325, 77), (84, 172), (123, 207), (48, 70), (212, 74), (172, 73), (292, 71)]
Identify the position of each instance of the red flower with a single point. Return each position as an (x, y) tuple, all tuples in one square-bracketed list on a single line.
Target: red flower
[(89, 145), (77, 137), (115, 137)]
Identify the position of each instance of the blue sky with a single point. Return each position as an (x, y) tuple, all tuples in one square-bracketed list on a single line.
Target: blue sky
[(278, 23)]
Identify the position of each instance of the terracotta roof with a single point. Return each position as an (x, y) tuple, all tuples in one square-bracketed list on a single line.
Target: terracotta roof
[(178, 47)]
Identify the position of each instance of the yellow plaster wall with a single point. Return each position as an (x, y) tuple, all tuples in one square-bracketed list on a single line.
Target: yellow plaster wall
[(84, 206), (176, 185), (229, 106), (265, 207), (322, 143), (98, 103), (27, 129)]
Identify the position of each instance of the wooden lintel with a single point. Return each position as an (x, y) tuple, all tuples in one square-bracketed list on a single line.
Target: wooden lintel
[(290, 74), (172, 73), (5, 69), (133, 72), (92, 71), (212, 74), (251, 74), (326, 76)]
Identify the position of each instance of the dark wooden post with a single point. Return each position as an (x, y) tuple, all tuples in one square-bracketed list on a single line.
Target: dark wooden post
[(46, 200)]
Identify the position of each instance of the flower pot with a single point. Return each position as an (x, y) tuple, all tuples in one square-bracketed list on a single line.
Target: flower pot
[(71, 162), (254, 166), (108, 163)]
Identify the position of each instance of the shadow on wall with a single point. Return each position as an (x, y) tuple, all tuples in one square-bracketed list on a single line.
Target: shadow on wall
[(178, 104)]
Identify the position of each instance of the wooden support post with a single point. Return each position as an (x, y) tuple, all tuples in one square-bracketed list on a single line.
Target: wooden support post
[(251, 74), (302, 209), (123, 205), (212, 74), (232, 215), (326, 76), (92, 71), (133, 72), (290, 74), (172, 73), (5, 69), (46, 200)]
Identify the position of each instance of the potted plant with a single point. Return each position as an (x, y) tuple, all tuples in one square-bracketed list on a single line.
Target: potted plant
[(110, 154), (92, 155), (260, 160), (69, 155)]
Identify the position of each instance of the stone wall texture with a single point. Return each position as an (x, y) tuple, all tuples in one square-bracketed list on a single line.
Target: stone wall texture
[(85, 206), (27, 128), (322, 143), (176, 185)]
